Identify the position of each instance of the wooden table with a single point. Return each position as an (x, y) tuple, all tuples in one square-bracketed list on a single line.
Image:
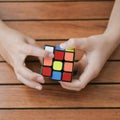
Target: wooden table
[(52, 23)]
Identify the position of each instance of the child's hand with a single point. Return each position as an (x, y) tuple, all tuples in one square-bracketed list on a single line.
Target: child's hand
[(15, 47), (96, 49)]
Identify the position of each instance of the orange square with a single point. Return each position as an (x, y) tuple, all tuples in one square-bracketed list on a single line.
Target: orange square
[(47, 61), (69, 56), (68, 66)]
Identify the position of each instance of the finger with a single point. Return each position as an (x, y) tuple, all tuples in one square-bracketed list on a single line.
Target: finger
[(29, 75), (37, 51), (71, 86), (30, 41), (29, 83), (80, 43), (91, 71), (67, 87), (80, 65)]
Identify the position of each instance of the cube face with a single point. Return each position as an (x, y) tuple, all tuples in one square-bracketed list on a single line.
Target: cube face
[(59, 68)]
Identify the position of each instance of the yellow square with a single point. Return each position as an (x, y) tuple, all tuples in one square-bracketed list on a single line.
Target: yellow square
[(57, 65), (70, 49)]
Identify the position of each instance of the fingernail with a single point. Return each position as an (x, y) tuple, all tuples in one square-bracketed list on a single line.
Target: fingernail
[(40, 78), (62, 46), (51, 55), (38, 87)]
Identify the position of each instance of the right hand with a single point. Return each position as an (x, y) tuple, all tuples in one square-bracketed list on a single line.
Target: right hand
[(14, 48)]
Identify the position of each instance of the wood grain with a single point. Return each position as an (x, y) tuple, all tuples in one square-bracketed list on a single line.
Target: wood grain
[(59, 29), (56, 10), (53, 96), (48, 0), (60, 114)]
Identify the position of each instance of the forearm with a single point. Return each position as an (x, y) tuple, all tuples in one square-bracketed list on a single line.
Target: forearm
[(113, 27)]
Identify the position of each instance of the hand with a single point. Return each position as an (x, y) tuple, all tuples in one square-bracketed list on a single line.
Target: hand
[(97, 50), (14, 48)]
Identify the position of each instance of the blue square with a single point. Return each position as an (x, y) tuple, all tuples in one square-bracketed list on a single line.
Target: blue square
[(56, 75), (57, 47)]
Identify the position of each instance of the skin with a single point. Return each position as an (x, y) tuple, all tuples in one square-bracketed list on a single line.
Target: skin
[(20, 46), (97, 50)]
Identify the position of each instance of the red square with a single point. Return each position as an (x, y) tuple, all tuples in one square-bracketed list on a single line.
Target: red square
[(59, 55), (67, 77), (46, 71)]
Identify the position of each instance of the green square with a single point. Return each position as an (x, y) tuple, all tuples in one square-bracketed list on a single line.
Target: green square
[(57, 65)]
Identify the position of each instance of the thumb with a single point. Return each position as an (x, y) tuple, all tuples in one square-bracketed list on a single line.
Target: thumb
[(80, 43)]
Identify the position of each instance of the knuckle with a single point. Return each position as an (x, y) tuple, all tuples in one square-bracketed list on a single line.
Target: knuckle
[(82, 86), (32, 77)]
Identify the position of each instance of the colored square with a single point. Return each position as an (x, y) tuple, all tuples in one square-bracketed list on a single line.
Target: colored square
[(57, 65), (49, 48), (67, 77), (56, 75), (47, 61), (68, 66), (46, 71), (57, 47), (58, 55), (70, 50), (69, 56)]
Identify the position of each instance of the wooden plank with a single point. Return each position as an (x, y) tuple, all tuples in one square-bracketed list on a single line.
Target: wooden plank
[(59, 29), (61, 10), (109, 74), (61, 114), (47, 0), (53, 96)]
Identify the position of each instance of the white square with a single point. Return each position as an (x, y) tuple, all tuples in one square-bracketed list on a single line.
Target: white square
[(49, 48)]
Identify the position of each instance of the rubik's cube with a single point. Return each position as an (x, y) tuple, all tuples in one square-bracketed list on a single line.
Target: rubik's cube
[(59, 68)]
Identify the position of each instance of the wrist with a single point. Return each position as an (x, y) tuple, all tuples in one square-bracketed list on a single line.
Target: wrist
[(111, 40), (112, 36)]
